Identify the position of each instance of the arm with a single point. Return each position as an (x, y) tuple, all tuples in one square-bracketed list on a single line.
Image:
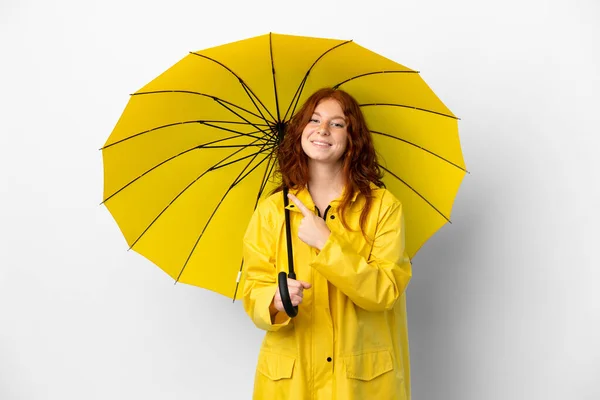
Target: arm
[(374, 284), (260, 282)]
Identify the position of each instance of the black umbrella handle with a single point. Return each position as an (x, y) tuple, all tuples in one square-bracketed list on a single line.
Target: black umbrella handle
[(290, 310)]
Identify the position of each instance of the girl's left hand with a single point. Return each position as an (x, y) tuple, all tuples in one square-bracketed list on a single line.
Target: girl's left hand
[(312, 230)]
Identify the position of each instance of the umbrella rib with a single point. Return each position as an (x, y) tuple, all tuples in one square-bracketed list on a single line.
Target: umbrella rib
[(243, 158), (273, 73), (411, 107), (374, 73), (237, 283), (179, 195), (266, 175), (255, 105), (215, 98), (265, 179), (252, 170), (201, 122), (416, 192), (170, 159), (421, 148), (302, 83), (296, 99), (241, 81), (264, 131), (215, 211), (231, 146), (247, 134)]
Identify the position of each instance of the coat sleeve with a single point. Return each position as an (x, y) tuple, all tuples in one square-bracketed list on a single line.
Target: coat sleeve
[(260, 283), (376, 283)]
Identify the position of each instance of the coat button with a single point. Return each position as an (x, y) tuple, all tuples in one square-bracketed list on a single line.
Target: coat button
[(328, 359), (332, 217)]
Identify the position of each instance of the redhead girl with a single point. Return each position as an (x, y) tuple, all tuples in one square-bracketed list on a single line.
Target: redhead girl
[(349, 340)]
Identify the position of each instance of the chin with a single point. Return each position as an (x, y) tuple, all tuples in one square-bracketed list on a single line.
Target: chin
[(323, 160)]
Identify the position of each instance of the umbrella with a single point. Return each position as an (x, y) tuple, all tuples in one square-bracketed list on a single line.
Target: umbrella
[(194, 150)]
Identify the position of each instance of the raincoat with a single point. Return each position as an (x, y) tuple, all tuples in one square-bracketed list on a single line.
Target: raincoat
[(350, 338)]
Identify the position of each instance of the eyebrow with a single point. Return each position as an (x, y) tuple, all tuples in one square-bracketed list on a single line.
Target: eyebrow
[(335, 117)]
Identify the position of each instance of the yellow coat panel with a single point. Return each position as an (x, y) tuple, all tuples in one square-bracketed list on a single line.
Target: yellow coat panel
[(350, 338)]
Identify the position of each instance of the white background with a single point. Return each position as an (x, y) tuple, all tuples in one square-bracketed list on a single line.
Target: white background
[(504, 303)]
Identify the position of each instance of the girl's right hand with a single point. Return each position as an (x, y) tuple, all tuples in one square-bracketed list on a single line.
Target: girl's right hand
[(296, 289)]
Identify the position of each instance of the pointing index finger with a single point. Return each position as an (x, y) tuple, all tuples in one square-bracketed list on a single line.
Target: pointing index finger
[(305, 211)]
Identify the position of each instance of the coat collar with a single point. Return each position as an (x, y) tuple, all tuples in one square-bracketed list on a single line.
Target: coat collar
[(304, 196)]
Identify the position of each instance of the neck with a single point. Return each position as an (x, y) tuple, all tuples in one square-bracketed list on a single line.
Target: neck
[(326, 178)]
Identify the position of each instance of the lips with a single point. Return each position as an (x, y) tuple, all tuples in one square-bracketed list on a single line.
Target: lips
[(320, 143)]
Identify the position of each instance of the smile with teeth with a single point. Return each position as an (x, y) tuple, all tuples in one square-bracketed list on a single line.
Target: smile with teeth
[(321, 144)]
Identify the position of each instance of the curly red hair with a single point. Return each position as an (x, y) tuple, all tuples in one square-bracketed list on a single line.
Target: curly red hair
[(360, 166)]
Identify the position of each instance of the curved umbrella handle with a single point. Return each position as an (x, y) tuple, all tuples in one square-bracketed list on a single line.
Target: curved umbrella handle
[(290, 310)]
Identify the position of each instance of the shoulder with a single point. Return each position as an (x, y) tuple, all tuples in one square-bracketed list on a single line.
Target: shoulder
[(385, 199), (387, 208), (272, 202), (270, 207)]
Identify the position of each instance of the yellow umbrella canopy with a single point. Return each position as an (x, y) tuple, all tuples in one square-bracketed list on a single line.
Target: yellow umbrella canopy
[(193, 151)]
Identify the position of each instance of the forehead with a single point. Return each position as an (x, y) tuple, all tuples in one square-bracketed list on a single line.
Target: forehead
[(329, 108)]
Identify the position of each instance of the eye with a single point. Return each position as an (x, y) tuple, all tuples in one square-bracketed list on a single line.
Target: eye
[(338, 124), (314, 120)]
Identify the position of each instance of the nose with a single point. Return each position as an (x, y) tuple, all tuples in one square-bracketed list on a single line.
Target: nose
[(324, 129)]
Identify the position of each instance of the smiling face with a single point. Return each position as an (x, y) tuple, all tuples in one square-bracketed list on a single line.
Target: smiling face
[(325, 137)]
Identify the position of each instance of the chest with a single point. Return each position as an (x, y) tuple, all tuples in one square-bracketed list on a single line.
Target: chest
[(303, 254)]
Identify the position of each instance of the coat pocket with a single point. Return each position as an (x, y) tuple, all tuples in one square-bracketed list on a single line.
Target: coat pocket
[(368, 366), (275, 366)]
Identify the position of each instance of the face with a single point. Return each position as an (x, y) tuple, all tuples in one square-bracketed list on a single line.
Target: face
[(325, 137)]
